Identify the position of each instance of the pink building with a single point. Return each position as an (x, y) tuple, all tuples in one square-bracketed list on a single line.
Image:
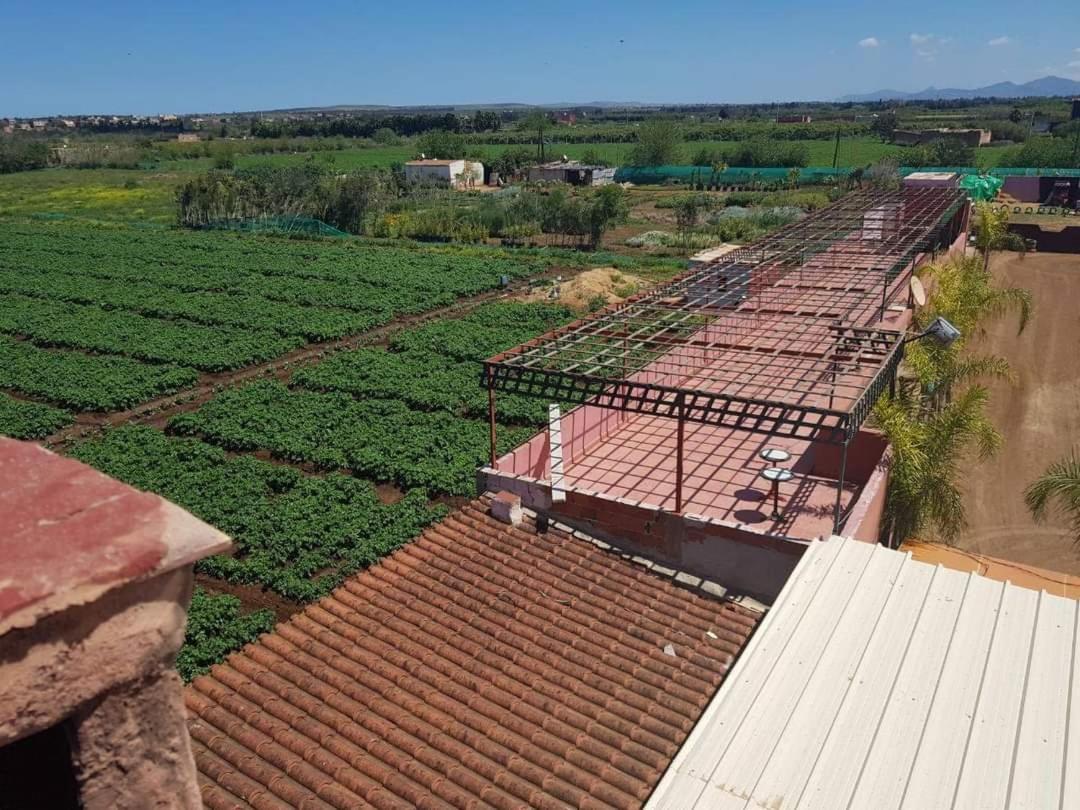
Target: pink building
[(770, 357)]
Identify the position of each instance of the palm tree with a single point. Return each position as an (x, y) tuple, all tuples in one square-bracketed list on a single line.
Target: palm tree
[(963, 291), (1058, 486), (930, 430), (928, 447)]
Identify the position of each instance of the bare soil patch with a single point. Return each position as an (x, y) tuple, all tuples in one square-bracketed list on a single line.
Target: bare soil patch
[(592, 289), (1039, 417)]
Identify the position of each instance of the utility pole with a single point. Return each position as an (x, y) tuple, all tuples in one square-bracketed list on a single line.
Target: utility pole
[(836, 149)]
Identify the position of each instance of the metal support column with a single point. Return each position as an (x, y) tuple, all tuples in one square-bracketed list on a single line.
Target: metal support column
[(679, 457), (491, 416), (840, 487)]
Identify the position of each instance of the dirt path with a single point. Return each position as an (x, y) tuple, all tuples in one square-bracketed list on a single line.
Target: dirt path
[(1039, 417)]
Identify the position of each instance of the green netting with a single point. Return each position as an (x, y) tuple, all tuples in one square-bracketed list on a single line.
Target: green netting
[(706, 176), (299, 225), (981, 186)]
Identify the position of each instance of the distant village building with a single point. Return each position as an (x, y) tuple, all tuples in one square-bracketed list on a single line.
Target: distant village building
[(187, 137), (572, 172), (968, 137), (569, 118), (456, 173), (793, 119)]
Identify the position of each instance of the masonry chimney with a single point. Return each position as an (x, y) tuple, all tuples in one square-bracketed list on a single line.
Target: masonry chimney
[(95, 581)]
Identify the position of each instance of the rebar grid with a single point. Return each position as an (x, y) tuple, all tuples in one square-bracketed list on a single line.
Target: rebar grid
[(775, 337)]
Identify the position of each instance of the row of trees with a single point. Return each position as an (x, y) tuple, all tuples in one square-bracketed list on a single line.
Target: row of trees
[(367, 126), (381, 203), (936, 419), (22, 154)]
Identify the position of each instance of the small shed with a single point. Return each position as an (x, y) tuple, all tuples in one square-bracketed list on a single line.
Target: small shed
[(459, 173), (572, 172)]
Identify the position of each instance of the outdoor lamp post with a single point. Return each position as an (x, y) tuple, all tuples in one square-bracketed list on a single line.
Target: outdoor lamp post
[(940, 330)]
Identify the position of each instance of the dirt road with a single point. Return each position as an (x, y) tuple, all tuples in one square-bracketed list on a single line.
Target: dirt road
[(1039, 417)]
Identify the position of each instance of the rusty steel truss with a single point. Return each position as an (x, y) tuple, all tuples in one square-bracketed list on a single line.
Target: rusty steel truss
[(779, 337)]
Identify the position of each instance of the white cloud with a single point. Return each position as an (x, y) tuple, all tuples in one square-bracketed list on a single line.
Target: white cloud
[(927, 46), (998, 41), (869, 42)]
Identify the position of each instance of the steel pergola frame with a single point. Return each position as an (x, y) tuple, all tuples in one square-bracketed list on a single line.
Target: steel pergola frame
[(777, 337)]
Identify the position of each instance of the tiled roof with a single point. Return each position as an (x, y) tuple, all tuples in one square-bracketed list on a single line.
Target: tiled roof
[(481, 666)]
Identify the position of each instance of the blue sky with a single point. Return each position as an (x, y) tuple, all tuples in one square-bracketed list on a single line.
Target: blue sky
[(195, 56)]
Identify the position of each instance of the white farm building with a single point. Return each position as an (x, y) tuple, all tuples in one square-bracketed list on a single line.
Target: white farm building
[(457, 173)]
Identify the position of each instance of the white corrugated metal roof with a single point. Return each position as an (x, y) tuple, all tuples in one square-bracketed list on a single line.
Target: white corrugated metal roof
[(878, 682)]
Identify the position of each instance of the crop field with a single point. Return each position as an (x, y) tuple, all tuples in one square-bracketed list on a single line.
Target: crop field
[(317, 465), (300, 520), (99, 319), (29, 420), (357, 419)]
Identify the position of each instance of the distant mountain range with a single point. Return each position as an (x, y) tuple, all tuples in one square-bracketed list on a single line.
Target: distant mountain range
[(1046, 86)]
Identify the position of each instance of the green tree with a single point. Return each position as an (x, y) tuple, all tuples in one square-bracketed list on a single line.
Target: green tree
[(928, 447), (384, 136), (993, 231), (1057, 489), (942, 152), (441, 144), (607, 207), (932, 431), (884, 124), (538, 121), (687, 212), (1015, 115), (658, 143)]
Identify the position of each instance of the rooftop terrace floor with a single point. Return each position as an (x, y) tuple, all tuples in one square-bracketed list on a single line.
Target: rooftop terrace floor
[(721, 475)]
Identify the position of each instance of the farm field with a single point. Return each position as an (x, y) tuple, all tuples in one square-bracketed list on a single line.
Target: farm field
[(108, 195), (327, 471), (132, 349), (100, 319)]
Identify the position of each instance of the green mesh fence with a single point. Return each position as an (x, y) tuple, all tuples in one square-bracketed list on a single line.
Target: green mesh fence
[(288, 225), (774, 177)]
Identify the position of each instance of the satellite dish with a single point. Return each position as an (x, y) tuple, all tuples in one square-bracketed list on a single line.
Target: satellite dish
[(918, 292)]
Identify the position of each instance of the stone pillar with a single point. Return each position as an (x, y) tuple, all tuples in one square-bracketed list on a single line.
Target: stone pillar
[(95, 583), (131, 749)]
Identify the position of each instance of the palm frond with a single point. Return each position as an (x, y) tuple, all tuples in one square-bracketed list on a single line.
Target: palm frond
[(1059, 487)]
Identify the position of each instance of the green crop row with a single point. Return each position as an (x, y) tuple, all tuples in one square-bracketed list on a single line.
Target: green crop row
[(296, 534), (237, 310), (484, 332), (29, 420), (86, 382), (424, 376), (215, 628), (226, 261), (382, 439), (116, 332), (422, 379)]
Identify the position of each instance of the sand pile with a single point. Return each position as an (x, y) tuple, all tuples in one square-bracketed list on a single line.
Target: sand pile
[(593, 289)]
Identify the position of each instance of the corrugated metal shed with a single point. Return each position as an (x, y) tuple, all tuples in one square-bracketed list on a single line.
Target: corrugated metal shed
[(877, 682)]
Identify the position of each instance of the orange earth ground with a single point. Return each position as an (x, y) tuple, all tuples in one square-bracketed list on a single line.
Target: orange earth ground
[(1039, 416)]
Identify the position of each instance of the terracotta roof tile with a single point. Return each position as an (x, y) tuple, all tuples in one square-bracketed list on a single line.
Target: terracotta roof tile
[(482, 666)]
